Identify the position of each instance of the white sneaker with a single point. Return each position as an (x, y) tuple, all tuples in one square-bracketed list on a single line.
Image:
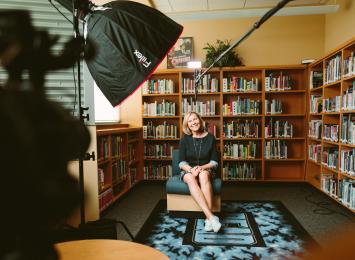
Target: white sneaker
[(208, 225), (216, 225)]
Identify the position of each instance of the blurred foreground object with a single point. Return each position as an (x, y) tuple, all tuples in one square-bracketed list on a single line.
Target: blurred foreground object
[(38, 139)]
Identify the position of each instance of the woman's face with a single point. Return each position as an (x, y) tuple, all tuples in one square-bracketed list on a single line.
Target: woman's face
[(193, 123)]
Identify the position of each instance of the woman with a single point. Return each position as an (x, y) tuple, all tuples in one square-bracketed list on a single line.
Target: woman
[(198, 162)]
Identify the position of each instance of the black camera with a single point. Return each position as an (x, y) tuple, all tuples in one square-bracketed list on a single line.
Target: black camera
[(38, 139)]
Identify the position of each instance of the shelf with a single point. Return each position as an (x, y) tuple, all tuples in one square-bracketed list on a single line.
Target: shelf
[(347, 145), (316, 89), (331, 89), (286, 91), (332, 84), (133, 162), (101, 161), (161, 95), (235, 159), (106, 187), (315, 114), (130, 142), (314, 162), (348, 111), (215, 116), (284, 115), (337, 200), (161, 117), (295, 106), (201, 94), (285, 138), (347, 175), (241, 139), (157, 159), (161, 139), (314, 139), (329, 169), (242, 93), (133, 140), (330, 113), (352, 77), (330, 142), (285, 160), (234, 116)]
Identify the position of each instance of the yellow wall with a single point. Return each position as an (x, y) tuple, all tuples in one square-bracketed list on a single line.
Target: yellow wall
[(281, 40), (340, 26)]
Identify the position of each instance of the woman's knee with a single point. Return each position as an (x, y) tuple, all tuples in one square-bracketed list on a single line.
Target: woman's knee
[(204, 176), (189, 178)]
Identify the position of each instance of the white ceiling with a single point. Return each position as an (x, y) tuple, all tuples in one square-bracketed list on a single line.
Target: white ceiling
[(223, 9)]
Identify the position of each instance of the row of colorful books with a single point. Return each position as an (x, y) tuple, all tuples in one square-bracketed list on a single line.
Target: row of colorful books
[(332, 71), (157, 171), (331, 104), (328, 184), (330, 157), (160, 86), (315, 129), (240, 171), (314, 152), (316, 79), (347, 162), (278, 129), (331, 133), (165, 108), (275, 149), (242, 106), (207, 108), (165, 130), (348, 129), (241, 129), (349, 65), (119, 171), (240, 84), (278, 82), (273, 106), (208, 84), (348, 98), (240, 150), (164, 150), (315, 104)]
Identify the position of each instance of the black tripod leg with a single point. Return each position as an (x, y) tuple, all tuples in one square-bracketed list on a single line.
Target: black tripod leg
[(126, 228)]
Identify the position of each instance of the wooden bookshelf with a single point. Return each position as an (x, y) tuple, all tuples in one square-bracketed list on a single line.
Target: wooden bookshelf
[(332, 80), (119, 159), (226, 89)]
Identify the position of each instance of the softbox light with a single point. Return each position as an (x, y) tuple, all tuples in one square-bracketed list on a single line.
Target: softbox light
[(131, 39)]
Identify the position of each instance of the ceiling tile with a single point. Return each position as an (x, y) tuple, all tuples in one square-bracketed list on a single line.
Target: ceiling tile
[(225, 4), (271, 3), (188, 5), (162, 5)]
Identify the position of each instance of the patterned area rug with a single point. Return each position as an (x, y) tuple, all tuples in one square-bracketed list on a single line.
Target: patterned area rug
[(250, 230)]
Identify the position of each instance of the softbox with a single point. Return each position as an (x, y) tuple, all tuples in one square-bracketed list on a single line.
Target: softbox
[(131, 39)]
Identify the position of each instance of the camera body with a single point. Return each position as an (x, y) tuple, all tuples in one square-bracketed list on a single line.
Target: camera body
[(38, 138)]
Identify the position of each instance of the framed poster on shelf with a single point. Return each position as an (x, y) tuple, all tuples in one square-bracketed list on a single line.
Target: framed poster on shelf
[(180, 54)]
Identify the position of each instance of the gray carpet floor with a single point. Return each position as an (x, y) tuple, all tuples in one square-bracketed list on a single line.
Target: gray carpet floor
[(321, 216)]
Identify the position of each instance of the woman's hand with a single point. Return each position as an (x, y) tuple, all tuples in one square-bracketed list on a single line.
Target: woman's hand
[(196, 170)]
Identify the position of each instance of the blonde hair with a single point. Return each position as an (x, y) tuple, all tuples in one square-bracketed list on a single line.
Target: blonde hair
[(185, 127)]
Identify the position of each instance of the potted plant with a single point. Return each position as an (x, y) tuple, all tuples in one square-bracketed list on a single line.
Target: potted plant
[(231, 59)]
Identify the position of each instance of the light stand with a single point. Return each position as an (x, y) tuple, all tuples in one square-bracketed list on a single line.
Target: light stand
[(76, 12), (199, 74), (92, 228)]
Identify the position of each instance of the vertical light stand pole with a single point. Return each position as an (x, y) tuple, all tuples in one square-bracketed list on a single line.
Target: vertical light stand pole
[(76, 17)]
